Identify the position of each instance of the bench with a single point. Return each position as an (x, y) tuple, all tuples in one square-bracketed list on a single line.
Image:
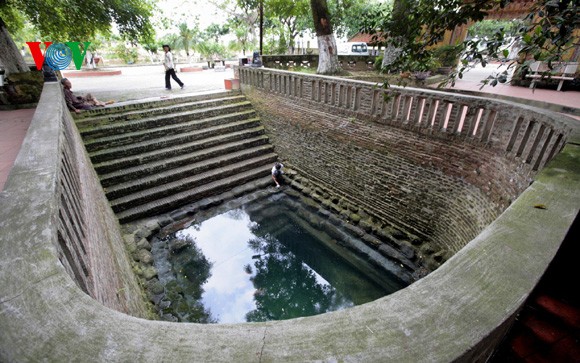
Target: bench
[(563, 71)]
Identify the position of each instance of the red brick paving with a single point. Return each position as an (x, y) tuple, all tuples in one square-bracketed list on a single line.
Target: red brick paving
[(13, 128)]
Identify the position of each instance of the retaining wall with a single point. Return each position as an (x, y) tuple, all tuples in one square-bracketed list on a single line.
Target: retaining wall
[(457, 313), (442, 166)]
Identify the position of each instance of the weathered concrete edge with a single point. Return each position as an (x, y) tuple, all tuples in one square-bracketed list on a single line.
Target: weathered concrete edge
[(456, 313)]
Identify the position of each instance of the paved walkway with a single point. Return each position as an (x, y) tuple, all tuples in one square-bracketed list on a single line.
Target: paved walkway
[(471, 82), (149, 82), (13, 127)]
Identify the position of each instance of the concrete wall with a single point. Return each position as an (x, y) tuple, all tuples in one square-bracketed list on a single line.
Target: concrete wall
[(457, 313), (56, 215)]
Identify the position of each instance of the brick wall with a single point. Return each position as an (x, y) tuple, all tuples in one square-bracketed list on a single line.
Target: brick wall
[(439, 168)]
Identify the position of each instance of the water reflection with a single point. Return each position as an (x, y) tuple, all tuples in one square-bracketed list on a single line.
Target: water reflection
[(259, 264), (223, 239)]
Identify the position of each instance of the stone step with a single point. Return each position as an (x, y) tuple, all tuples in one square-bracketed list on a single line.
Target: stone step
[(246, 136), (172, 140), (178, 186), (195, 194), (88, 123), (170, 126), (171, 161), (152, 122), (153, 179), (150, 103)]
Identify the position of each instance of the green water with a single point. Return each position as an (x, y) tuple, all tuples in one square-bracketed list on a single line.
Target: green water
[(262, 262)]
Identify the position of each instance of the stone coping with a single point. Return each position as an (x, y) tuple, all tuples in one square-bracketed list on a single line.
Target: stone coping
[(457, 313)]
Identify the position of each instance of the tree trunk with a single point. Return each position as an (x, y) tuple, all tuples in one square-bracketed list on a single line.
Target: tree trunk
[(10, 58), (327, 52), (327, 57), (390, 55)]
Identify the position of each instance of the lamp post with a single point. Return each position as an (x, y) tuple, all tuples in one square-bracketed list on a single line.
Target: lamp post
[(261, 24)]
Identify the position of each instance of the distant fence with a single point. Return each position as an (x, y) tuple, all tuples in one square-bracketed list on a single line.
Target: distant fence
[(290, 62)]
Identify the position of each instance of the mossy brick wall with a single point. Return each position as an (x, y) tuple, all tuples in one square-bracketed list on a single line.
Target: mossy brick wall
[(442, 186)]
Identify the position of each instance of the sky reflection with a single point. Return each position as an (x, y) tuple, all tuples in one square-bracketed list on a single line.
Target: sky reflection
[(229, 293), (265, 270)]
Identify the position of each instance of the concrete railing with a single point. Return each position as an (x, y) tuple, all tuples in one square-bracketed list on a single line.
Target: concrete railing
[(457, 313), (532, 135)]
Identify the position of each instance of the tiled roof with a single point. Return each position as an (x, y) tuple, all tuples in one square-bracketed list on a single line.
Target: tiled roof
[(366, 38)]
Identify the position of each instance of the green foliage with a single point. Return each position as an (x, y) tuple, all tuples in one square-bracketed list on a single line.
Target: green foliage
[(172, 40), (215, 31), (242, 22), (415, 26), (447, 55), (487, 28), (80, 20), (127, 54), (191, 270), (98, 43), (187, 37), (243, 41), (546, 34), (211, 50), (347, 17), (12, 17), (378, 63), (292, 17)]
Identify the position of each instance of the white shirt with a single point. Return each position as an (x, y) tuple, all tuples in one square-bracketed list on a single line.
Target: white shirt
[(274, 169), (168, 62)]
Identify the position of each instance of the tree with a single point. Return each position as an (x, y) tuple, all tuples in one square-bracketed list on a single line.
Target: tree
[(547, 36), (292, 15), (187, 37), (487, 28), (242, 18), (10, 57), (71, 20), (215, 31), (328, 55), (347, 19)]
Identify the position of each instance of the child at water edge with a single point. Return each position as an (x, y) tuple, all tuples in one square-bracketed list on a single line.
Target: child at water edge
[(277, 173)]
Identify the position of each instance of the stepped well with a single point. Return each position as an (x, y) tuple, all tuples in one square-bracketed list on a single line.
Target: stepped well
[(62, 243)]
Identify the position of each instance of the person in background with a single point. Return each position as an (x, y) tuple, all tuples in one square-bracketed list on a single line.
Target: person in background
[(277, 173), (170, 68), (78, 103)]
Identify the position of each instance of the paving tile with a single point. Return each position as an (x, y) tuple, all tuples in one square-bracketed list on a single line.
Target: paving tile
[(13, 128)]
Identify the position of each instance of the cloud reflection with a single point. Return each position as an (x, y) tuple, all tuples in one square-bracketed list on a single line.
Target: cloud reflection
[(229, 291)]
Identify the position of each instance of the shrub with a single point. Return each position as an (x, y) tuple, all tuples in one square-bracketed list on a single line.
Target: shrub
[(448, 55)]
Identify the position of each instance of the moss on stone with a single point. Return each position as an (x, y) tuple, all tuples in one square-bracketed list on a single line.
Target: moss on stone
[(149, 272), (355, 218)]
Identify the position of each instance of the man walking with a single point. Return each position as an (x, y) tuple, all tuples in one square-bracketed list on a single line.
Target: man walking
[(170, 68)]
